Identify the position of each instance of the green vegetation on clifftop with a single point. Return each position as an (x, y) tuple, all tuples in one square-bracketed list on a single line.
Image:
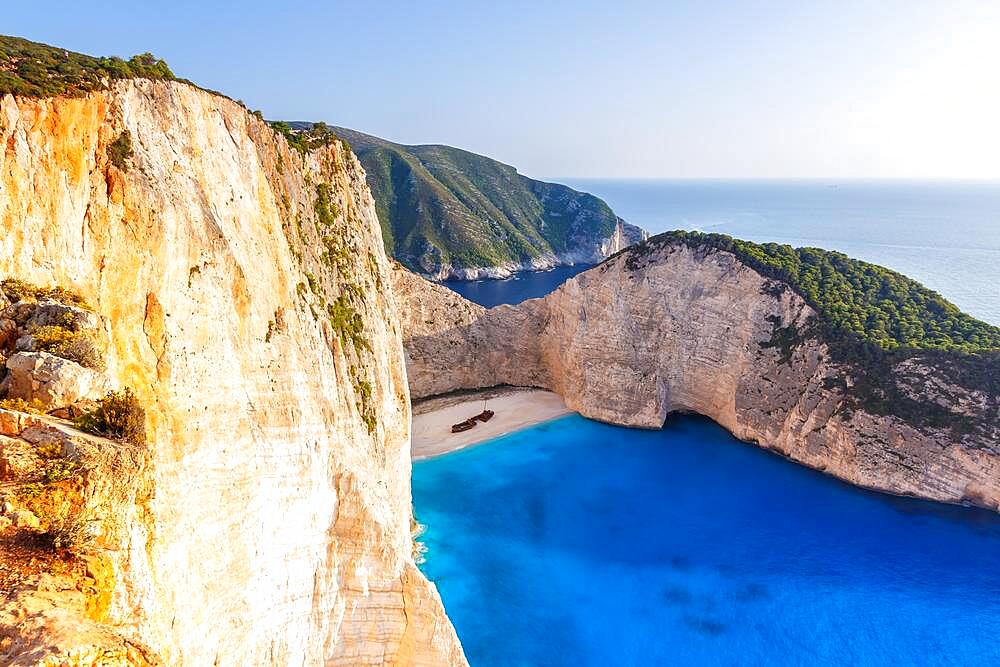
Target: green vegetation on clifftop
[(37, 70), (872, 319), (308, 137), (866, 301)]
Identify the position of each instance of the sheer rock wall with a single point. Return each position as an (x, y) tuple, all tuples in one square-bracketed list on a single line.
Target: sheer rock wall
[(276, 529)]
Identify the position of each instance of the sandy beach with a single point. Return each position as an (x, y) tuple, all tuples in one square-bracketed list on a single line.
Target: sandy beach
[(515, 409)]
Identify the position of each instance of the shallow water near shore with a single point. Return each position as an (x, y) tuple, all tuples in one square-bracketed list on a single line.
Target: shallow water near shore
[(580, 543)]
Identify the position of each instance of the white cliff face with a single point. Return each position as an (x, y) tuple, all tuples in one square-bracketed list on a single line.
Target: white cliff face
[(686, 330), (263, 340)]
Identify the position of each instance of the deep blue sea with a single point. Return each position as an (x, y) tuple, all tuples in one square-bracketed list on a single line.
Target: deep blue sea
[(946, 235), (576, 543), (527, 285)]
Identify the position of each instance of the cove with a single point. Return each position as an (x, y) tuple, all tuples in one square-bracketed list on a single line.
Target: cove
[(514, 290), (580, 543)]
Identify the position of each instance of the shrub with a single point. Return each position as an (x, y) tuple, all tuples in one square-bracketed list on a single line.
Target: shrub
[(19, 290), (49, 450), (325, 207), (70, 529), (21, 405), (118, 415), (347, 323), (305, 139), (78, 346), (57, 471), (62, 295), (50, 335), (120, 150), (313, 283)]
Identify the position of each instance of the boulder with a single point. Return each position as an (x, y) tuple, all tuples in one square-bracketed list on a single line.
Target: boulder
[(12, 422), (54, 381), (50, 441), (20, 312), (71, 412), (25, 343), (53, 313)]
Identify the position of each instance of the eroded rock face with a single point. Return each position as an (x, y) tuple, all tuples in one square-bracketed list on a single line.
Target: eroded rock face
[(692, 331), (276, 524)]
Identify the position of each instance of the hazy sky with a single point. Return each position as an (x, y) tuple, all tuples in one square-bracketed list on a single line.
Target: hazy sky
[(880, 88)]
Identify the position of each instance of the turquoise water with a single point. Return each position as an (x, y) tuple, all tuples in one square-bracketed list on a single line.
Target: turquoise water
[(577, 543)]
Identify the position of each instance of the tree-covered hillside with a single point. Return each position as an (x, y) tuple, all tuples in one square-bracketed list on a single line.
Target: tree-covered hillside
[(31, 69), (444, 207), (857, 299)]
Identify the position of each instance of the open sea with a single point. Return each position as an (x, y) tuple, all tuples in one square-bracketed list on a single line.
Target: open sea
[(575, 543)]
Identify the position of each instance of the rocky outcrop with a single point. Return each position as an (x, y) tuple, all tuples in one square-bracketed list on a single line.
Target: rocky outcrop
[(52, 382), (61, 489), (242, 291), (49, 312), (624, 236), (676, 329), (427, 309)]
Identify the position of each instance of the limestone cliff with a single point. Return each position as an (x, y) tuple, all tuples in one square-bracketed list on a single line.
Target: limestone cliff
[(666, 328), (243, 291)]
